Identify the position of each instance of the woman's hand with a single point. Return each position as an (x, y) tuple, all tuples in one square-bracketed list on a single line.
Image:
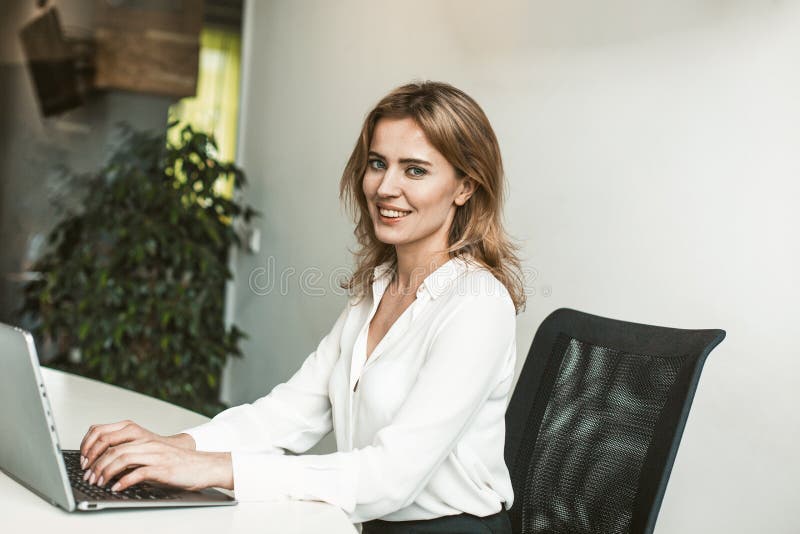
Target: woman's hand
[(160, 462), (100, 437)]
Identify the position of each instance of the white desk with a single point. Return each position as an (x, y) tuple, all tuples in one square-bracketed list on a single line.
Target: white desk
[(78, 402)]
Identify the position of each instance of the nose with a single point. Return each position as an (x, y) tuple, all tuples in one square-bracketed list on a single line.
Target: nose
[(390, 183)]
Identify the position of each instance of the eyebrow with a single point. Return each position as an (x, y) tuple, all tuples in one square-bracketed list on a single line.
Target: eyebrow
[(404, 160)]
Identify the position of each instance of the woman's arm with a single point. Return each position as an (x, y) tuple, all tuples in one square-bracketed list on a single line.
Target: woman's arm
[(294, 416)]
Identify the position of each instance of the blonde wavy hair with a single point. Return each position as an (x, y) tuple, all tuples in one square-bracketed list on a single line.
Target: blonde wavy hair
[(458, 128)]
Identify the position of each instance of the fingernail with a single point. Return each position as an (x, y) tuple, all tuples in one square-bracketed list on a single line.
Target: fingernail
[(100, 481), (115, 487), (83, 461), (92, 479), (86, 475)]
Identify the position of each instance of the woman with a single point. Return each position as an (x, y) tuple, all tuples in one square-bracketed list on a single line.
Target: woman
[(416, 373)]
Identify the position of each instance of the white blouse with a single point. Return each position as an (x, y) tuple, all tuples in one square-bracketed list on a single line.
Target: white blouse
[(420, 427)]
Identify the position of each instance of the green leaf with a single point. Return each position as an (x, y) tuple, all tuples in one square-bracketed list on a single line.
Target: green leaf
[(84, 330)]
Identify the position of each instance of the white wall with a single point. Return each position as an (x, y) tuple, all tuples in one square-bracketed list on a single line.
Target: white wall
[(652, 156)]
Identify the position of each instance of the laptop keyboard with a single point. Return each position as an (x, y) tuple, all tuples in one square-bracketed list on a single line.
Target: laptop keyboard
[(140, 492)]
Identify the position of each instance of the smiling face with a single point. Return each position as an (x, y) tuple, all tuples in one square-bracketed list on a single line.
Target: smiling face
[(412, 191)]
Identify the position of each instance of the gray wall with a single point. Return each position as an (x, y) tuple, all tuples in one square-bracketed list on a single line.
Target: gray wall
[(652, 156), (32, 148)]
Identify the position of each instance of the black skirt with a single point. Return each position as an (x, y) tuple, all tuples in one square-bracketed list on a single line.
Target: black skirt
[(452, 524)]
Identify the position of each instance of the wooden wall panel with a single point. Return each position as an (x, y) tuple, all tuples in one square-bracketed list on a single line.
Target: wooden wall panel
[(149, 46)]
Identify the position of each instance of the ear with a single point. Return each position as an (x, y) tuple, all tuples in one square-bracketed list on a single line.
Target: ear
[(465, 190)]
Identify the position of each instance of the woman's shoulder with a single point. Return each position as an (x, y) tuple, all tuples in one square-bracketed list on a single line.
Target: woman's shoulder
[(478, 284), (475, 304)]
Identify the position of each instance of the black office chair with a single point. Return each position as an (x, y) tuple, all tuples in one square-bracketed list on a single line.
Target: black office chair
[(595, 421)]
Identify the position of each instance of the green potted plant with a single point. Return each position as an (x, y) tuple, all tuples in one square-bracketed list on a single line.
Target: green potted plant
[(131, 288)]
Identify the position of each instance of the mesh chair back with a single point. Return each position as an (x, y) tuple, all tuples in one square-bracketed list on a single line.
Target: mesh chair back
[(595, 421)]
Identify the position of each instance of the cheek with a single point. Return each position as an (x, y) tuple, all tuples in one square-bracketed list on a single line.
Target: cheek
[(369, 185), (433, 200)]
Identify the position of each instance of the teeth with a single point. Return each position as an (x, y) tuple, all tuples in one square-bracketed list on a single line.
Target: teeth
[(393, 213)]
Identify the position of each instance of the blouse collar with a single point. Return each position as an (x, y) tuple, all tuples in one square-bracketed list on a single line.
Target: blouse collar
[(435, 283)]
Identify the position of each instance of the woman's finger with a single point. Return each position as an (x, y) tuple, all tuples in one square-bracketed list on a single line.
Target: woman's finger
[(137, 476), (126, 460), (97, 430), (86, 436), (127, 433), (111, 455)]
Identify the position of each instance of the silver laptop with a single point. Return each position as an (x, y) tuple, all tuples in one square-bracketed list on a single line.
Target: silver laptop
[(30, 451)]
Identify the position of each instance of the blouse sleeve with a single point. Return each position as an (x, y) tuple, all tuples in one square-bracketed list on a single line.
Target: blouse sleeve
[(470, 356), (294, 416)]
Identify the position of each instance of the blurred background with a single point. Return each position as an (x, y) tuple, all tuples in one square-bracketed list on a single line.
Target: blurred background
[(651, 151)]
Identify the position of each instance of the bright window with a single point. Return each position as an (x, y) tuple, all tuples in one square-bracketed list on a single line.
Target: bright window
[(215, 108)]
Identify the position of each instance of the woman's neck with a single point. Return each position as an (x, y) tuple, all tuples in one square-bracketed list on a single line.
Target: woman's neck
[(413, 268)]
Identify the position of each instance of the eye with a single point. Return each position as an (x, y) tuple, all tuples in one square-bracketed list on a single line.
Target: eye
[(416, 172), (376, 164)]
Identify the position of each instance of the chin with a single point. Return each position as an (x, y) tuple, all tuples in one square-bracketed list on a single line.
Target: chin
[(387, 238)]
